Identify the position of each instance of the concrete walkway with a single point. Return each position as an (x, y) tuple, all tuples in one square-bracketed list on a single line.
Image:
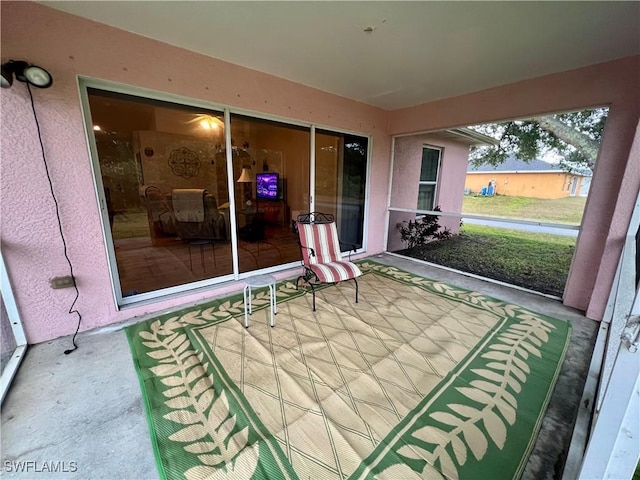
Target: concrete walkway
[(87, 408)]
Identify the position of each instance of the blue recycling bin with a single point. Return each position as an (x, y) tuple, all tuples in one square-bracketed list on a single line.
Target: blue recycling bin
[(490, 190), (483, 192)]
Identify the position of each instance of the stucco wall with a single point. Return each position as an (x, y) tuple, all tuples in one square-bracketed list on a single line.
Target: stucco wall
[(521, 184), (69, 46), (616, 178), (452, 173), (407, 162)]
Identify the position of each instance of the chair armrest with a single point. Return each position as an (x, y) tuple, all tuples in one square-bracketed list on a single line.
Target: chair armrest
[(313, 253)]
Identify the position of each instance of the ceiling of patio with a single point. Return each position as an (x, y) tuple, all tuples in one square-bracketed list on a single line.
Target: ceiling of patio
[(417, 52)]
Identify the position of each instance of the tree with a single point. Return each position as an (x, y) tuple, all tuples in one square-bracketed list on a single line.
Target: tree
[(575, 137)]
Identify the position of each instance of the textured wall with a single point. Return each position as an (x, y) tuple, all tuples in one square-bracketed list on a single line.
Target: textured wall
[(407, 162), (69, 46), (452, 173)]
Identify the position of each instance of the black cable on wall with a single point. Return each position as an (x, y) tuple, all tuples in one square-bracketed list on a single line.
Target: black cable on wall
[(64, 243)]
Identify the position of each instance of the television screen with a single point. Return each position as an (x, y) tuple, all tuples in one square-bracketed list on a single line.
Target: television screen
[(267, 186)]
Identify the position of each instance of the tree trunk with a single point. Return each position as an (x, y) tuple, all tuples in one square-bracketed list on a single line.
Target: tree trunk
[(585, 145)]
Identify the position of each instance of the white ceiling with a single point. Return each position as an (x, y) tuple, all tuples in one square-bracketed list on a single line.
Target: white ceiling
[(417, 52)]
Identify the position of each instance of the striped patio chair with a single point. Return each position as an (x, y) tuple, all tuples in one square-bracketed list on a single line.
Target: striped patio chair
[(321, 256)]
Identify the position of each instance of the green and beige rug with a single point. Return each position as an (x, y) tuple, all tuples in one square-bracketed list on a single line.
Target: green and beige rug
[(418, 380)]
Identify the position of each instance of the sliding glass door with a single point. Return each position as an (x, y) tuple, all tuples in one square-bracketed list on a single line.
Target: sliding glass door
[(340, 183), (163, 171), (271, 174), (193, 196)]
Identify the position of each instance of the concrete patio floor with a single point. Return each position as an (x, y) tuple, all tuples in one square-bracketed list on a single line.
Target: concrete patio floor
[(85, 409)]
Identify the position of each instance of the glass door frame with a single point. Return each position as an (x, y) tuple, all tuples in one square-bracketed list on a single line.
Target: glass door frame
[(367, 191), (85, 82)]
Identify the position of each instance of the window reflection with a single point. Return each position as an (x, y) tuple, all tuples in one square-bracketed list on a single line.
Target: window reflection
[(341, 168), (165, 181), (271, 172)]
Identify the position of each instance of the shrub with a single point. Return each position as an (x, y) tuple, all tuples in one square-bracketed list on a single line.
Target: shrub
[(423, 231)]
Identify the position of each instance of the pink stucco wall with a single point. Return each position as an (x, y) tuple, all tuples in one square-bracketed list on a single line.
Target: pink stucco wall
[(69, 46), (616, 179), (407, 162), (453, 172)]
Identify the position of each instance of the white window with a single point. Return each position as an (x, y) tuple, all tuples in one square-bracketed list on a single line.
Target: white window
[(429, 172)]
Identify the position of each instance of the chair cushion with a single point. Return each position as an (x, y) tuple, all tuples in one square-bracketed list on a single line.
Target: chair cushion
[(322, 238), (332, 272)]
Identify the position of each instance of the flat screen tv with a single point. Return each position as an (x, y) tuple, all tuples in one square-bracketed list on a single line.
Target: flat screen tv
[(267, 186)]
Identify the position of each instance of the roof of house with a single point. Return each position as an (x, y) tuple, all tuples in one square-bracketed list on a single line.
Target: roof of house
[(513, 164), (469, 136)]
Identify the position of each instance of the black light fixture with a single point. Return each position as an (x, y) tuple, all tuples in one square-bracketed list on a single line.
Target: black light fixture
[(24, 72)]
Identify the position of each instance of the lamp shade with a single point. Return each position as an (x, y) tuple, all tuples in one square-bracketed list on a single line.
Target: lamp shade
[(245, 176)]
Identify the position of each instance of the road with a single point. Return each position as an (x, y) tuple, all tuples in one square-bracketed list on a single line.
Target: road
[(522, 226)]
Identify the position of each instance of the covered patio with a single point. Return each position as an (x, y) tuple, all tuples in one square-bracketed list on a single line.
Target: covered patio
[(315, 95), (87, 408)]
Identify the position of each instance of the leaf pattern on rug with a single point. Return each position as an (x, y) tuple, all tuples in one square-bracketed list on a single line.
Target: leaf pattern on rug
[(473, 298), (240, 469), (402, 471), (506, 369), (210, 430)]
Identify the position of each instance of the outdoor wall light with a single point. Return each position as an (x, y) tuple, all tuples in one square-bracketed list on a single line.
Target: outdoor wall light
[(24, 72)]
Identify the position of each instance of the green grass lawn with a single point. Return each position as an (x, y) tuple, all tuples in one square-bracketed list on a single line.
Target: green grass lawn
[(562, 210), (536, 261)]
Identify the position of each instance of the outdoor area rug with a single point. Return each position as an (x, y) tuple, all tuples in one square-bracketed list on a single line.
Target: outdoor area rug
[(419, 379)]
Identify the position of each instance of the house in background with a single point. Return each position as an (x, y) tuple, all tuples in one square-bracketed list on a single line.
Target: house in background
[(439, 160), (535, 179)]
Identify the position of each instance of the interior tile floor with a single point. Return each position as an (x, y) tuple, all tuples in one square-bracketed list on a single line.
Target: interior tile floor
[(144, 266), (87, 407)]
